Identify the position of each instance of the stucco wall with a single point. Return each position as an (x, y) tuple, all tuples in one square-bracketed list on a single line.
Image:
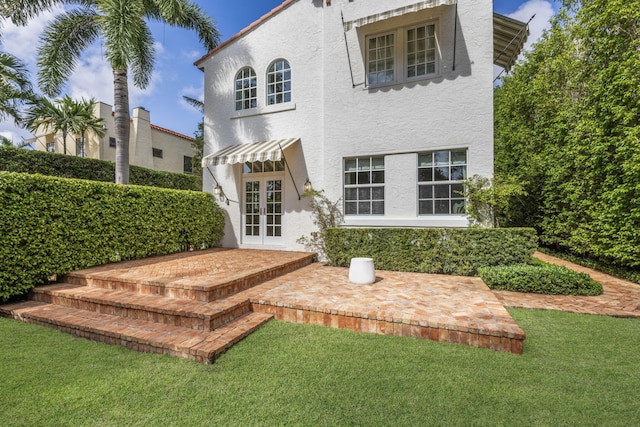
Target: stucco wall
[(336, 120)]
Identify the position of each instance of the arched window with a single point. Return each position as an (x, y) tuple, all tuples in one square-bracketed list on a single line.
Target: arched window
[(279, 82), (246, 92)]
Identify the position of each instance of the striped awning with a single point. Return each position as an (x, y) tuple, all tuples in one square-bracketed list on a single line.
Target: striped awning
[(253, 152), (416, 7), (509, 37)]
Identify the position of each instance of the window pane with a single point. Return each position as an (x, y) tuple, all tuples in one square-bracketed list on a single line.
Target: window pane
[(441, 173), (377, 177), (351, 194), (350, 178), (425, 192), (364, 208), (425, 174), (441, 158), (442, 207), (351, 208), (377, 208), (377, 163), (458, 173), (425, 160), (458, 157), (377, 193), (457, 190), (364, 177), (364, 193), (425, 207), (364, 164), (457, 206), (441, 191), (350, 165)]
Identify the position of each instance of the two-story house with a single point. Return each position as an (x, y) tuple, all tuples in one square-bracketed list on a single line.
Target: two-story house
[(150, 146), (385, 104)]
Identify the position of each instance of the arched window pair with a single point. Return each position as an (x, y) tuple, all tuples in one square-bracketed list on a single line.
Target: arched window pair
[(278, 85)]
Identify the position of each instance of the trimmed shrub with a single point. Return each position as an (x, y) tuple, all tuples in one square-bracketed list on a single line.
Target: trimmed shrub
[(65, 166), (52, 225), (540, 279), (459, 251)]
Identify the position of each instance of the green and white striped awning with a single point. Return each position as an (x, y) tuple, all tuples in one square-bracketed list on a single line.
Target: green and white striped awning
[(252, 152), (416, 7)]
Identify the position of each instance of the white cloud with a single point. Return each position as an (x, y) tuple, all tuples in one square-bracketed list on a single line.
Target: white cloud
[(23, 41), (191, 55)]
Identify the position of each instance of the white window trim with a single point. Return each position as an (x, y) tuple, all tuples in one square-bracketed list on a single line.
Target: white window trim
[(268, 85)]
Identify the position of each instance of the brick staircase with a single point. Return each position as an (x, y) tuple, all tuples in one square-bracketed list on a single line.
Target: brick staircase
[(194, 305)]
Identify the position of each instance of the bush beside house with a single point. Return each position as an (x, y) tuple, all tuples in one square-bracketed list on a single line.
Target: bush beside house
[(459, 251), (53, 225), (64, 166)]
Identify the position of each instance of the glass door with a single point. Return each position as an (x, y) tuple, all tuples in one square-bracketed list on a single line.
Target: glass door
[(263, 211)]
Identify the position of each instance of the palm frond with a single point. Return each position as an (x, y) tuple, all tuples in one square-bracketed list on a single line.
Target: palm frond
[(61, 45), (185, 14), (195, 103), (15, 87)]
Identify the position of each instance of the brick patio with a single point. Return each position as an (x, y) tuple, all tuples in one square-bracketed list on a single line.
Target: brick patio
[(198, 304)]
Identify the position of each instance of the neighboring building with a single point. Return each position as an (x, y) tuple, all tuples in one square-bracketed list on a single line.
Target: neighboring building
[(385, 104), (150, 146)]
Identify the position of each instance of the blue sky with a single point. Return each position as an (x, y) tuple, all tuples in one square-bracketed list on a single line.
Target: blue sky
[(174, 73)]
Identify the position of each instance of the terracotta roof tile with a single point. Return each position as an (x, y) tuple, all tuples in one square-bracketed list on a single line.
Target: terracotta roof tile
[(169, 131)]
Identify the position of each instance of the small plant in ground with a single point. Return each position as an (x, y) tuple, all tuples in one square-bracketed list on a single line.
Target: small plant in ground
[(326, 214), (487, 198), (540, 279)]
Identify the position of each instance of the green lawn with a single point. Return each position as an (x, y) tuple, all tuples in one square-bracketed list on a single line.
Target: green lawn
[(575, 370)]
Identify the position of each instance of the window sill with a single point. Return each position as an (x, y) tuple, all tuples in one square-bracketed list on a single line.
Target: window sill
[(421, 221), (263, 110)]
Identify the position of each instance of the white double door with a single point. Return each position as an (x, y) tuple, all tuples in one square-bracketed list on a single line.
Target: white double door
[(263, 209)]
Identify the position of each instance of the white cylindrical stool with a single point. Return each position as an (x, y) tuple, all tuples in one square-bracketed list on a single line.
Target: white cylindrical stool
[(361, 271)]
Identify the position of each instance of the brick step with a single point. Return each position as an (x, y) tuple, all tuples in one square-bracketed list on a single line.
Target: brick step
[(207, 288), (202, 316), (138, 335)]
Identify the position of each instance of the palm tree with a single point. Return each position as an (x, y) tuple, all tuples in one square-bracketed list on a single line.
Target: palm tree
[(127, 40), (15, 88), (63, 115)]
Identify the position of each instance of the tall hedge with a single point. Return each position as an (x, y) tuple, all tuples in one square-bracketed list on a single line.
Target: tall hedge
[(567, 126), (460, 251), (52, 225), (65, 166)]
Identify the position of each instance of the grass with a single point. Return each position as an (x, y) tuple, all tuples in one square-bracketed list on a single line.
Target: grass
[(575, 370)]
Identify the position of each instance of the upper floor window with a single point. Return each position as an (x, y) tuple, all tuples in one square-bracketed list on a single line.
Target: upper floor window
[(51, 147), (405, 54), (157, 152), (440, 182), (279, 82), (112, 142), (381, 59), (421, 51), (246, 89)]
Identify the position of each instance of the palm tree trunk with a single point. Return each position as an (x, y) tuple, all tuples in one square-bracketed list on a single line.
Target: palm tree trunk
[(121, 119), (64, 141)]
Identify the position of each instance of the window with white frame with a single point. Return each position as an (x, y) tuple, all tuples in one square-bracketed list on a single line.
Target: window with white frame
[(51, 147), (364, 186), (421, 51), (381, 59), (406, 54), (80, 148), (279, 82), (440, 182), (246, 89)]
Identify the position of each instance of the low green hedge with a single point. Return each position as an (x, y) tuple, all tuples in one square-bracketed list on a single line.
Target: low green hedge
[(52, 225), (540, 279), (459, 251), (66, 166)]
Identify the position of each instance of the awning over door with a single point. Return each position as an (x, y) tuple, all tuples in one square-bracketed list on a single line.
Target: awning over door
[(254, 152), (396, 12)]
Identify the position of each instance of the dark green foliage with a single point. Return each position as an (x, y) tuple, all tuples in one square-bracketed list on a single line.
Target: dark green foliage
[(631, 274), (540, 279), (567, 126), (53, 225), (27, 161), (460, 251)]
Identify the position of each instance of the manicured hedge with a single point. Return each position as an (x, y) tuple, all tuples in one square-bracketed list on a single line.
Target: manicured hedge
[(460, 251), (65, 166), (52, 225), (540, 279)]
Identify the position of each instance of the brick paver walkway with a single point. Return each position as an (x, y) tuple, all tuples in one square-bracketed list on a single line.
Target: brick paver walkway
[(621, 298)]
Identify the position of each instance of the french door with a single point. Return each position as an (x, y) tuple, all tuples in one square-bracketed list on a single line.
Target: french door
[(262, 218)]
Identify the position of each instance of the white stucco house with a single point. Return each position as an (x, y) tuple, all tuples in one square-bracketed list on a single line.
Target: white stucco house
[(385, 104)]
